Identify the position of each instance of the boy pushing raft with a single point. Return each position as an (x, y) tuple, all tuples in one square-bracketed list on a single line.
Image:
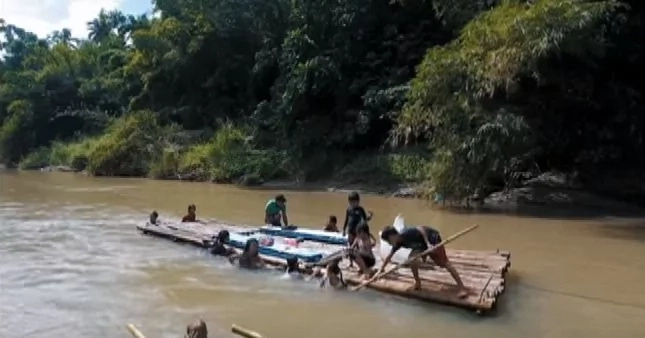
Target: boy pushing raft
[(420, 239)]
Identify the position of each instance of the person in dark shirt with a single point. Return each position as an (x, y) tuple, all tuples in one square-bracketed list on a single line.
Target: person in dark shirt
[(218, 245), (354, 216), (420, 239), (192, 215), (331, 225)]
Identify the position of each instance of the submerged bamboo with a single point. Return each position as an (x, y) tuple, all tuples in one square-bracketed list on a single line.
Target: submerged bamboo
[(240, 331), (134, 331)]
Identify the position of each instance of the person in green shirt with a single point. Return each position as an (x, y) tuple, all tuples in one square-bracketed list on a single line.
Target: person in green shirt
[(276, 211)]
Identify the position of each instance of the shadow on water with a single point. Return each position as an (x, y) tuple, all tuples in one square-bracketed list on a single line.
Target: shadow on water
[(630, 231), (553, 212)]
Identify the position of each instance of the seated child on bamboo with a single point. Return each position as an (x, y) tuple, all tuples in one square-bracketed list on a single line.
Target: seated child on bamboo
[(362, 250)]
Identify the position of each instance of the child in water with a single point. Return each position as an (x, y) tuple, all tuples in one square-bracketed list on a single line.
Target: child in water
[(334, 276), (218, 245), (250, 258), (331, 225)]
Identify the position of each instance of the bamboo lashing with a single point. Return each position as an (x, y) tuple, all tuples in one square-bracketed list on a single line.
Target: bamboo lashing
[(245, 332), (134, 331), (428, 251)]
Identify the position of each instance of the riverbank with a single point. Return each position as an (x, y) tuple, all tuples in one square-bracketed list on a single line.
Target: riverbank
[(551, 190)]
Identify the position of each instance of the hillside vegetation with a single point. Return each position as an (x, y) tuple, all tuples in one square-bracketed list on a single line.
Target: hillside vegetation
[(464, 97)]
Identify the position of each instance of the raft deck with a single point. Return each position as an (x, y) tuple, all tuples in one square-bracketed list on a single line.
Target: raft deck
[(483, 272)]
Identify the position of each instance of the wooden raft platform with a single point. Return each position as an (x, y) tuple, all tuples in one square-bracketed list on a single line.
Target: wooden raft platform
[(483, 272)]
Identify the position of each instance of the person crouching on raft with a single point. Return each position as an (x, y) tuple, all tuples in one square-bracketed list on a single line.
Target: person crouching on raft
[(276, 211), (420, 239), (361, 250), (331, 225)]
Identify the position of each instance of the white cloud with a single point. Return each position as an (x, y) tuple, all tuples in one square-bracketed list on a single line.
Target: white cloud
[(44, 16)]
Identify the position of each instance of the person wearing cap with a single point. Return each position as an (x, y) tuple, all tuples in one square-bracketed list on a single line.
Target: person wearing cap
[(275, 211)]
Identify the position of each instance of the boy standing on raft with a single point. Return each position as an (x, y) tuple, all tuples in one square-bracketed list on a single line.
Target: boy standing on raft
[(420, 239), (354, 216), (276, 211)]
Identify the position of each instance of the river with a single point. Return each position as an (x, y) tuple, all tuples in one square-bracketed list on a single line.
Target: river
[(73, 265)]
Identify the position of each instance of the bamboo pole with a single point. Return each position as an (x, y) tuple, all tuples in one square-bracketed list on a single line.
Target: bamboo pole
[(245, 332), (381, 275), (135, 332)]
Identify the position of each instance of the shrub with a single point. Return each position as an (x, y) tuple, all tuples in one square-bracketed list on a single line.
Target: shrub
[(230, 155), (36, 159), (128, 147), (166, 166)]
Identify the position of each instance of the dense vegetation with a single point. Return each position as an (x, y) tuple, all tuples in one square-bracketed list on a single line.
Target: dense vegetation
[(467, 96)]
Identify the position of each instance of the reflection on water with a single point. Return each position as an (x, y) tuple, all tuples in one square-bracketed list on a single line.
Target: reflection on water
[(73, 266)]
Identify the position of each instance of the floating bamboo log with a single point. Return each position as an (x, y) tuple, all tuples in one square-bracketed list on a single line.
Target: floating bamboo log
[(134, 331), (483, 272), (240, 331)]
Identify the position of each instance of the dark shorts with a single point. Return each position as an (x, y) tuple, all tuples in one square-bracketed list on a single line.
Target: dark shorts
[(368, 260), (438, 256), (275, 220)]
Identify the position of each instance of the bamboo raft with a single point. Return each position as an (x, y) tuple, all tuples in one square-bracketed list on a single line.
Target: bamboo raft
[(482, 272)]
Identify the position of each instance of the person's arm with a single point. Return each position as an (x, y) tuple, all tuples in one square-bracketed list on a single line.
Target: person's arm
[(387, 260), (369, 215), (372, 241), (425, 237), (284, 217), (345, 224)]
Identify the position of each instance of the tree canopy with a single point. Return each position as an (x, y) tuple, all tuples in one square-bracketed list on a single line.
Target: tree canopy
[(493, 91)]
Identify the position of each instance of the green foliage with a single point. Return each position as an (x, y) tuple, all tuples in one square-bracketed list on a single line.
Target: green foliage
[(36, 159), (466, 96), (493, 89), (230, 155), (127, 148), (15, 135)]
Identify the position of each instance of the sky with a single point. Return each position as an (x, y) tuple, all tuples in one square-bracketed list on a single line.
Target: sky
[(44, 16)]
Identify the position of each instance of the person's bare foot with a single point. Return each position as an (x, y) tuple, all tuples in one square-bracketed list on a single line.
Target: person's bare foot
[(462, 293)]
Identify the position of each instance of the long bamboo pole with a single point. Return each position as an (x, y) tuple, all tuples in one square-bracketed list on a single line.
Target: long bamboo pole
[(430, 250), (135, 332), (245, 332)]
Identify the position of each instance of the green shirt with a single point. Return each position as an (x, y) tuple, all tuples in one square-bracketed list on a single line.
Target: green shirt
[(273, 208)]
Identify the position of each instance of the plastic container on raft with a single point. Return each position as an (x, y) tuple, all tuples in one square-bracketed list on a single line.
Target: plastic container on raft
[(266, 241), (291, 242)]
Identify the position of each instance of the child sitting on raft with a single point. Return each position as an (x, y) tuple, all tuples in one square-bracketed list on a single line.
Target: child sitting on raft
[(250, 258), (362, 250), (331, 225), (154, 218), (192, 215), (218, 245)]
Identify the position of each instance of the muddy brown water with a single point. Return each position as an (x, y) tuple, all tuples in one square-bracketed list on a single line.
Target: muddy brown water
[(72, 265)]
